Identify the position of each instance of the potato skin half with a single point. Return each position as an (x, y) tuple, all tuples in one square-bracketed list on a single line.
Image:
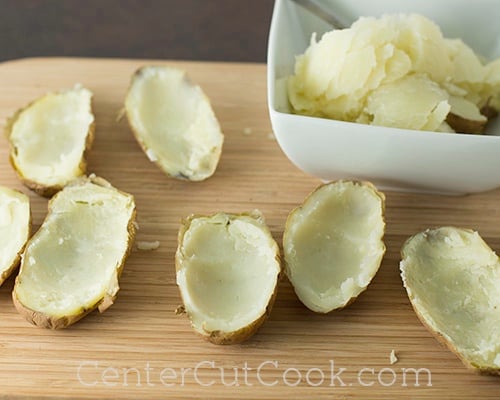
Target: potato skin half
[(220, 337), (176, 175), (438, 336), (43, 320), (298, 208), (40, 189)]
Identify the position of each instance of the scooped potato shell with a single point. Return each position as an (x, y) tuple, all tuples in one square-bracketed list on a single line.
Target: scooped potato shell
[(445, 334), (174, 123), (38, 187), (226, 337), (320, 241), (44, 320)]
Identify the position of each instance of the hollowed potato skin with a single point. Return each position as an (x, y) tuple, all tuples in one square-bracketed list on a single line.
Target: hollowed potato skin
[(481, 369), (43, 320), (37, 187), (219, 337), (367, 184)]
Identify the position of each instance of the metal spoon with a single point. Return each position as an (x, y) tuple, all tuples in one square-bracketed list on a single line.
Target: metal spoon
[(320, 11)]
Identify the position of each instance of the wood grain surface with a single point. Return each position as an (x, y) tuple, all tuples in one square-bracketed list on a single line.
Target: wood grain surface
[(140, 348)]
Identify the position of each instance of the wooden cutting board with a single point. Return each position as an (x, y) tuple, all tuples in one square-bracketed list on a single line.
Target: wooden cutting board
[(140, 348)]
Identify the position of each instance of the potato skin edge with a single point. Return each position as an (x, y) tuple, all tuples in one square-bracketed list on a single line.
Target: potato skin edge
[(443, 342), (15, 264)]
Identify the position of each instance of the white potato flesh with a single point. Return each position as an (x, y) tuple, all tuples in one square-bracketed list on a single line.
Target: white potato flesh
[(333, 244), (227, 271), (14, 228), (49, 137), (468, 68), (412, 102), (424, 43), (72, 262), (174, 122), (493, 83), (363, 74), (453, 278)]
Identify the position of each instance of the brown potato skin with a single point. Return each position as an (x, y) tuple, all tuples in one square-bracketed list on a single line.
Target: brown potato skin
[(39, 188), (489, 111), (463, 125), (46, 321), (298, 208), (220, 337), (440, 338), (43, 320)]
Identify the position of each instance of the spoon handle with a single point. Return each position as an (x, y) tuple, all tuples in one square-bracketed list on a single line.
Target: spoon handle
[(320, 11)]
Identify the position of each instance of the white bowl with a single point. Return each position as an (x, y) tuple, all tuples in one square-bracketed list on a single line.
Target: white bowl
[(393, 159)]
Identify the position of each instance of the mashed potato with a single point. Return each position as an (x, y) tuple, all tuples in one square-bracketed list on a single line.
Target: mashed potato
[(396, 71)]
